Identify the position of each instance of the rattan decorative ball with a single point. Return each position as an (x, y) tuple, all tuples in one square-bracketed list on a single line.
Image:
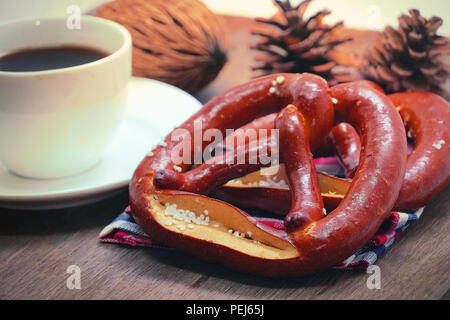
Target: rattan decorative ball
[(177, 42)]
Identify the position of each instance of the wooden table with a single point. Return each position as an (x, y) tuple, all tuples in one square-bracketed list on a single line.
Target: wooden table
[(36, 249)]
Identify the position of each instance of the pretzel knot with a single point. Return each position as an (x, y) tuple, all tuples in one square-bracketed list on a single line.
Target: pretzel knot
[(173, 201)]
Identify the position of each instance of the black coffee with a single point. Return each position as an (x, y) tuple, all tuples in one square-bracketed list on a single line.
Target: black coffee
[(39, 59)]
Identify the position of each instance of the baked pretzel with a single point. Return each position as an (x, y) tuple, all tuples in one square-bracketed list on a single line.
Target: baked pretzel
[(426, 117), (347, 147), (427, 120), (217, 231)]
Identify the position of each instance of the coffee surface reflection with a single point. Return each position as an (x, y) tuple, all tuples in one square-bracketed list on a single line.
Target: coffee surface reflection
[(49, 58)]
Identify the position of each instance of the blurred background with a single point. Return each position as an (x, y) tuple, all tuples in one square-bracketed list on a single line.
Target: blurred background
[(364, 14)]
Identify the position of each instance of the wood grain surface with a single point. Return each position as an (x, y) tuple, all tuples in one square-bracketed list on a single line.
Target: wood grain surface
[(36, 248)]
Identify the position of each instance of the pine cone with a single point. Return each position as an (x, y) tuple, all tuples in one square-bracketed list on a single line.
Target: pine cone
[(289, 42), (411, 57)]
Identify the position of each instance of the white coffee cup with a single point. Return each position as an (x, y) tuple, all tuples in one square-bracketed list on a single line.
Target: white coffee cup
[(57, 123)]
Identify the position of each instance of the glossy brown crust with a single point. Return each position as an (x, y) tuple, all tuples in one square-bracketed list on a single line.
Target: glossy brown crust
[(322, 243), (347, 147), (306, 202), (239, 106), (273, 200), (239, 136), (427, 120), (267, 94), (376, 184), (426, 117), (219, 170), (266, 122)]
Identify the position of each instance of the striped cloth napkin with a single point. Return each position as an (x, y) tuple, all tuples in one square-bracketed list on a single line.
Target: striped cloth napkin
[(124, 230)]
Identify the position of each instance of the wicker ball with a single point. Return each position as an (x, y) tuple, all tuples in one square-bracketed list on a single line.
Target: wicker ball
[(177, 42)]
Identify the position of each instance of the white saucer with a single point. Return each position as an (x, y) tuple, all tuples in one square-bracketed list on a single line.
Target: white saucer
[(153, 109)]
